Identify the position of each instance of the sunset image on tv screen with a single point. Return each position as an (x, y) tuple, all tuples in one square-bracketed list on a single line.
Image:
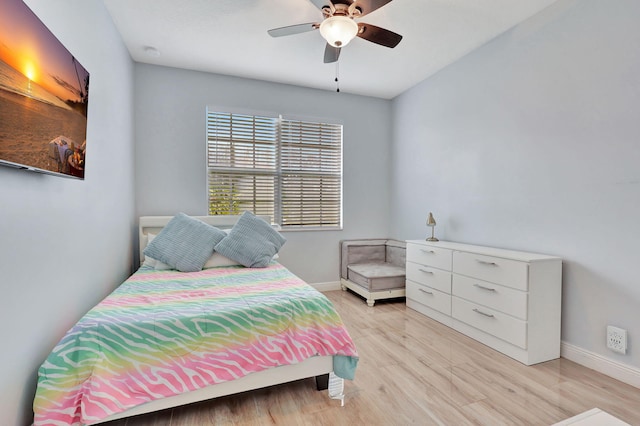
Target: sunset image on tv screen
[(44, 96)]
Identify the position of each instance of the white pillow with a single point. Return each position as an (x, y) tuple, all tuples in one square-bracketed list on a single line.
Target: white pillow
[(217, 259)]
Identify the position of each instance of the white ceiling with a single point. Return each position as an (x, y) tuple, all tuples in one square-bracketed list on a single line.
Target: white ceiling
[(230, 37)]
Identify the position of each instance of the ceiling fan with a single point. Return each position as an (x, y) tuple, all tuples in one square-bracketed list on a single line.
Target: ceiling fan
[(338, 26)]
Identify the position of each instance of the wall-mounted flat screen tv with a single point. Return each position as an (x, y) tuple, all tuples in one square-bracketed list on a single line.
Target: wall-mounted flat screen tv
[(44, 97)]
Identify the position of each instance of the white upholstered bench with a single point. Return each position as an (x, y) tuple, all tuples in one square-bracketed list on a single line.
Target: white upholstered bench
[(374, 269)]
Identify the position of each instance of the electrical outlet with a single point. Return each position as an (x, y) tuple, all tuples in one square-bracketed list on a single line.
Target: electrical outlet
[(617, 339)]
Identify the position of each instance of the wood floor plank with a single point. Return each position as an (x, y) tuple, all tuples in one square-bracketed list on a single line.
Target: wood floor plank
[(414, 370), (524, 402), (451, 386)]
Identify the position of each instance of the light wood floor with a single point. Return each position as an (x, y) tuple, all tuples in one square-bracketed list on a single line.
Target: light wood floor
[(413, 370)]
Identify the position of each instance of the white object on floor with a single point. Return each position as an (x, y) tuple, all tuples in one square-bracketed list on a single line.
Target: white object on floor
[(593, 417), (336, 388)]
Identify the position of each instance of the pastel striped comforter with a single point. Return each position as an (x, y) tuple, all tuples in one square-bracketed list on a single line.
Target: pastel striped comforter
[(163, 333)]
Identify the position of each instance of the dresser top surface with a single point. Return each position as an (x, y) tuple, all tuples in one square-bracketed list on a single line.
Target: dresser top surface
[(489, 251)]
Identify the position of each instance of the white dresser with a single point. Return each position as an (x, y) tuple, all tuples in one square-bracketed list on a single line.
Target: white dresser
[(508, 300)]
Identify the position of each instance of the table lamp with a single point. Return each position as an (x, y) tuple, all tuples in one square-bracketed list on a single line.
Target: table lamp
[(431, 222)]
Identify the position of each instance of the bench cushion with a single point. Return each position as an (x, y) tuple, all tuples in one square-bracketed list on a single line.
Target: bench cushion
[(377, 276)]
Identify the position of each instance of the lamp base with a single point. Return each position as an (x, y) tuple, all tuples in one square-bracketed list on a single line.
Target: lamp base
[(432, 239)]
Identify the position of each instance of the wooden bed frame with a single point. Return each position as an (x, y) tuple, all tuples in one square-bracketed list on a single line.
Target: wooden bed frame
[(318, 367)]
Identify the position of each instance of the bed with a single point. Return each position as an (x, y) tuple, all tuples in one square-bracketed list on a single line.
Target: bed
[(166, 338)]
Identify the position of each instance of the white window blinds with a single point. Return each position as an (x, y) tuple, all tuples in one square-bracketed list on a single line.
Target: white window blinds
[(288, 169)]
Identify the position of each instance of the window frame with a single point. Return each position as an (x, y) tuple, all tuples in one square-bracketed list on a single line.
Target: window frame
[(278, 173)]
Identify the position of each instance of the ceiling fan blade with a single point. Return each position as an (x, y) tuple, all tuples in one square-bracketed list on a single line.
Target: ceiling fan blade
[(321, 3), (368, 6), (378, 35), (293, 29), (331, 54)]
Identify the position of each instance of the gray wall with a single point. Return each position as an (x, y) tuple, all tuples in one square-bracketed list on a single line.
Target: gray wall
[(65, 244), (170, 153), (532, 142)]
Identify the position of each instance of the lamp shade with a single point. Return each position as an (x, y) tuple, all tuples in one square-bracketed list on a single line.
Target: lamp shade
[(431, 221), (338, 30)]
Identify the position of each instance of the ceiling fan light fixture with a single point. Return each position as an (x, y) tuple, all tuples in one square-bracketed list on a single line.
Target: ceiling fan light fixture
[(338, 30)]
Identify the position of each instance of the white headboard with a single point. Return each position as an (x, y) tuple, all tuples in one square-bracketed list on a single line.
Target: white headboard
[(154, 224)]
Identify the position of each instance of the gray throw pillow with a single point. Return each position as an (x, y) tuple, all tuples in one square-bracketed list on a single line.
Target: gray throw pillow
[(252, 242), (185, 243)]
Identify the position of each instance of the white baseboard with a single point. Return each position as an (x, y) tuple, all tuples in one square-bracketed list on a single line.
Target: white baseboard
[(333, 285), (625, 373)]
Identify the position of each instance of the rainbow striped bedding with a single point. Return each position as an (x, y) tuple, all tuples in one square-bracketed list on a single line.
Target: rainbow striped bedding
[(163, 333)]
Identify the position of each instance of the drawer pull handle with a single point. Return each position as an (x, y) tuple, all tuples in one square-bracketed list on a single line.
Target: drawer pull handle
[(426, 291), (482, 313), (425, 271), (484, 288), (427, 251), (484, 262)]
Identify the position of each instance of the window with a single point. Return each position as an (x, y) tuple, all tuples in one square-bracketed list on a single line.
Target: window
[(288, 169)]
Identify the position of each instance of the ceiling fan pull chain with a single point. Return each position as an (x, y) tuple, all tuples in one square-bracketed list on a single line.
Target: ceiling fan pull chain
[(337, 80)]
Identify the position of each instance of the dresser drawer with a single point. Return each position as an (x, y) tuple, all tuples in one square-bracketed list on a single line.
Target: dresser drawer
[(432, 277), (430, 297), (430, 256), (496, 323), (498, 297), (511, 273)]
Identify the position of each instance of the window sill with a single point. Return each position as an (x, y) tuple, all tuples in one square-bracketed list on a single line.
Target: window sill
[(309, 228)]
